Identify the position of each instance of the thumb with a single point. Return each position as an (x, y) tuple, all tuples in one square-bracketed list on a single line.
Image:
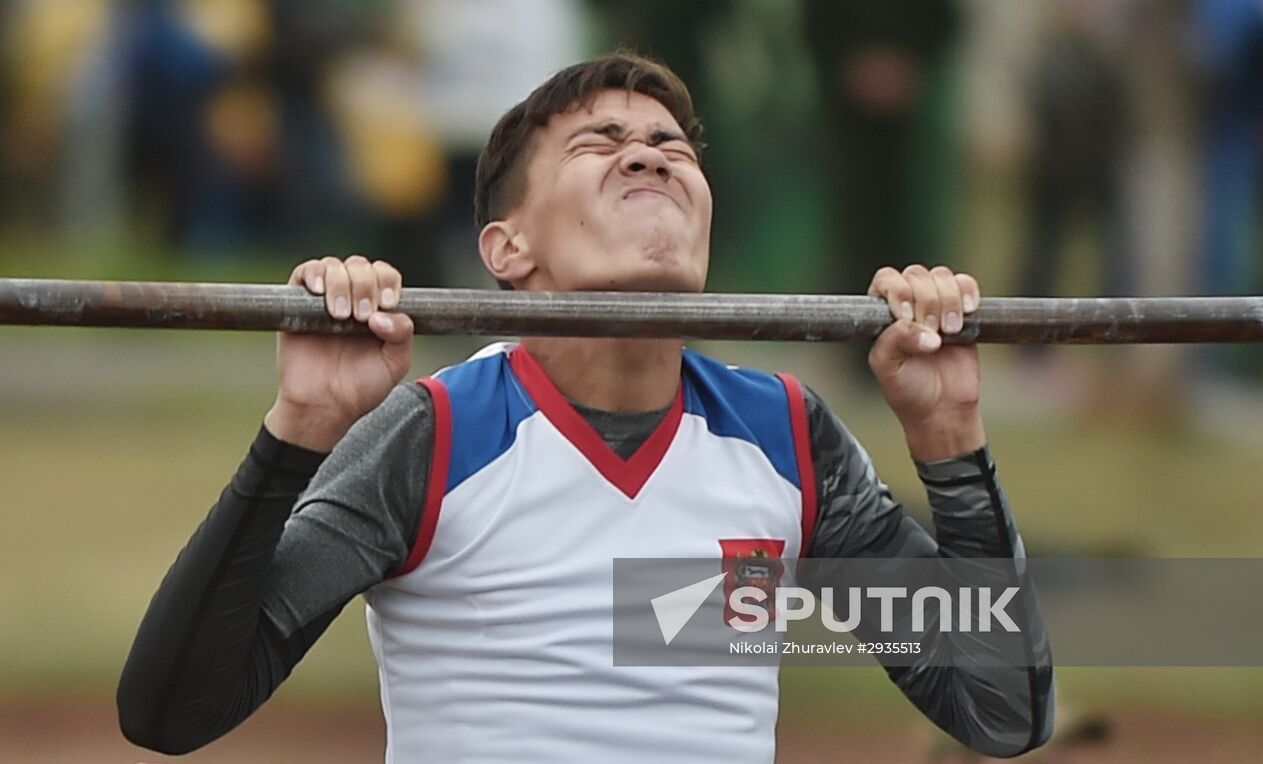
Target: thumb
[(900, 341), (391, 328), (395, 331)]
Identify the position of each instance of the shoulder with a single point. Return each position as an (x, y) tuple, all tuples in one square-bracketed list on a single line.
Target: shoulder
[(721, 391), (485, 368), (753, 405), (478, 405), (408, 400), (828, 433), (711, 378), (404, 418)]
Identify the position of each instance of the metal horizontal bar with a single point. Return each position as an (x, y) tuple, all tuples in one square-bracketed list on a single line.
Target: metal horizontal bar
[(168, 305)]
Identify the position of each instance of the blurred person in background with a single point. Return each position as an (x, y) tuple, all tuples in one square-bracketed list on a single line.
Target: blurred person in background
[(47, 44), (235, 176), (1109, 104), (1160, 189), (396, 171), (636, 25), (879, 67), (315, 200), (1075, 98), (475, 63), (1228, 52), (170, 76), (1077, 110), (876, 64)]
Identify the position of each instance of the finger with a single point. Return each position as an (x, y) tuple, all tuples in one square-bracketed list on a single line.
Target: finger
[(337, 288), (970, 292), (395, 331), (949, 299), (925, 302), (309, 273), (389, 283), (363, 286), (890, 284), (392, 328), (897, 342)]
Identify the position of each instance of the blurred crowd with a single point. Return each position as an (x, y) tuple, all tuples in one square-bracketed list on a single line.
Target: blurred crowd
[(849, 132)]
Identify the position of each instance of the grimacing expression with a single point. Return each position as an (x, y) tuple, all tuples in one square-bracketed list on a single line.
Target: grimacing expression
[(616, 199)]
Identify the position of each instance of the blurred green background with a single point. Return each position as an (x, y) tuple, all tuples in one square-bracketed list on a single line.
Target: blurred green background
[(115, 443)]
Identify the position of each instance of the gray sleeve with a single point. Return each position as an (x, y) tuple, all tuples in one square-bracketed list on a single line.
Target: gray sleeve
[(997, 711), (357, 520)]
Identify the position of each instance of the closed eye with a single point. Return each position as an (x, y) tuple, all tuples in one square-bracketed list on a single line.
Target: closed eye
[(672, 143), (679, 152), (594, 145)]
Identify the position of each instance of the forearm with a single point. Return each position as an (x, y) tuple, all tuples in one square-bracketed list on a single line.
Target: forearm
[(990, 690), (994, 709), (198, 666), (971, 512)]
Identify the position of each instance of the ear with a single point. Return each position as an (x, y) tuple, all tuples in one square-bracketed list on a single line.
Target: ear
[(505, 252)]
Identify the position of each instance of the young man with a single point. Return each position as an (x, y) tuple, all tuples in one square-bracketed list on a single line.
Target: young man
[(478, 511)]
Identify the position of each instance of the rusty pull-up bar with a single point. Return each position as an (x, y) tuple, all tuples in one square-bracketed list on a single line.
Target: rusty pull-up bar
[(49, 302)]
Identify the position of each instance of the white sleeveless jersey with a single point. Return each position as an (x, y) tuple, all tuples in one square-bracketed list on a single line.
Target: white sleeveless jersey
[(494, 640)]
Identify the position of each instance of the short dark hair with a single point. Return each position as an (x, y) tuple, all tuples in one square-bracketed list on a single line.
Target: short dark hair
[(500, 183)]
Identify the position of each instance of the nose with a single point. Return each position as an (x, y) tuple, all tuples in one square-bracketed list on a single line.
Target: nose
[(643, 159)]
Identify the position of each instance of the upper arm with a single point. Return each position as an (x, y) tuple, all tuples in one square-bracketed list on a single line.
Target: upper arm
[(857, 515), (359, 516)]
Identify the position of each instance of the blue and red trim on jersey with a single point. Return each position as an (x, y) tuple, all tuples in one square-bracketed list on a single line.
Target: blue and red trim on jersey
[(494, 393)]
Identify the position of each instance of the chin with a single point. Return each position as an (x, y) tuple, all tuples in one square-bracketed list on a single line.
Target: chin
[(657, 279), (647, 269), (668, 269)]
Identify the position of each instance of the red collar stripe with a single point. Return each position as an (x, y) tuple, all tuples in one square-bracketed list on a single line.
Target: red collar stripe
[(628, 475)]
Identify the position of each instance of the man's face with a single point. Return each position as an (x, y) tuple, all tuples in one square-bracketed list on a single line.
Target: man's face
[(616, 200)]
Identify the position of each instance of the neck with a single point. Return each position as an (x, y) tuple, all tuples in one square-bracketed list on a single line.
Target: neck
[(611, 374)]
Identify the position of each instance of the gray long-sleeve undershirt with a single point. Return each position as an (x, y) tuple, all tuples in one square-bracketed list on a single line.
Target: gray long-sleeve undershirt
[(355, 521)]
